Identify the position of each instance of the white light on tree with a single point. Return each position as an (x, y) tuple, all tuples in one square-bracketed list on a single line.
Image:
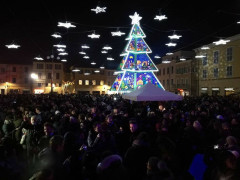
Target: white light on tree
[(97, 71), (39, 58), (168, 54), (94, 36), (82, 53), (85, 47), (174, 36), (12, 46), (135, 18), (99, 9), (157, 57), (66, 25), (107, 47), (63, 54), (60, 46), (64, 60), (200, 56), (93, 63), (205, 48), (61, 50), (110, 59), (117, 33), (104, 52), (101, 67), (160, 18), (166, 61), (171, 44), (86, 57), (221, 41), (56, 35)]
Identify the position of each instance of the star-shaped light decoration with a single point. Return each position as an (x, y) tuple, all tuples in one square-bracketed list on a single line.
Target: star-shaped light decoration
[(39, 58), (110, 59), (60, 46), (60, 49), (66, 25), (174, 36), (86, 57), (182, 59), (56, 35), (85, 47), (63, 54), (64, 60), (97, 71), (200, 56), (238, 22), (99, 9), (160, 17), (117, 33), (221, 41), (166, 61), (104, 52), (171, 44), (135, 18), (93, 35), (168, 54), (205, 48), (93, 63), (107, 47), (102, 67), (12, 46), (75, 70), (82, 53), (157, 57)]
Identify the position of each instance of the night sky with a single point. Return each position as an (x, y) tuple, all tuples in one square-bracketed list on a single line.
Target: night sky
[(30, 24)]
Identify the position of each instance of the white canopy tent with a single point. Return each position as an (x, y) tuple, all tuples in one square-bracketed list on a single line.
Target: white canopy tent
[(150, 92)]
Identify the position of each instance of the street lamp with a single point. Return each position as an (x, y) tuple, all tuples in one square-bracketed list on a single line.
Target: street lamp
[(52, 58)]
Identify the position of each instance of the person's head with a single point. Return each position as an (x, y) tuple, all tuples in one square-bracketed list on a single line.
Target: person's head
[(133, 126), (56, 143), (33, 120), (48, 129), (38, 110), (109, 119), (97, 127), (231, 141), (161, 107), (152, 164)]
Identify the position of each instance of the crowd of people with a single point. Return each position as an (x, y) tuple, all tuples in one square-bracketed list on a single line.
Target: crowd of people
[(105, 137)]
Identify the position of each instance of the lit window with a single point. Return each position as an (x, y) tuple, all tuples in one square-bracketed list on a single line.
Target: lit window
[(101, 82), (86, 82), (80, 82), (93, 82)]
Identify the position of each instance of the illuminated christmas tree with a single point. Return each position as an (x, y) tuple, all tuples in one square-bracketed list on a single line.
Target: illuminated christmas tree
[(136, 68)]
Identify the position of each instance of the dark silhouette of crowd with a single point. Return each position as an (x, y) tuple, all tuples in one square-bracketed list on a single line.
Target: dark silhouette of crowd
[(105, 137)]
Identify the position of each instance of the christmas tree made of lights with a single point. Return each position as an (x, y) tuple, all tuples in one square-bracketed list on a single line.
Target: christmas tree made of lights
[(136, 68)]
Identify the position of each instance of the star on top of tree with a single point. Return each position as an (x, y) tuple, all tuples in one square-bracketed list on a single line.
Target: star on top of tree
[(135, 18)]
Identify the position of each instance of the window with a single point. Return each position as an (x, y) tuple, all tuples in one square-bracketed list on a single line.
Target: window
[(163, 71), (49, 75), (39, 84), (25, 69), (26, 80), (39, 66), (86, 82), (108, 73), (204, 73), (58, 66), (102, 72), (163, 82), (80, 82), (57, 75), (39, 75), (168, 70), (215, 72), (172, 69), (14, 80), (171, 81), (229, 71), (48, 66), (94, 82), (159, 72), (229, 54), (101, 82), (14, 69), (215, 57), (168, 82), (186, 81), (108, 83), (204, 60)]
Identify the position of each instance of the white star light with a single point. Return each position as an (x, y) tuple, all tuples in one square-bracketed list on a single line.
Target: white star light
[(107, 47), (200, 56), (38, 58), (166, 61), (85, 47), (117, 33), (238, 22), (99, 9), (86, 57), (64, 60), (12, 46), (205, 48), (60, 46), (171, 44), (66, 25), (104, 52), (101, 67), (135, 18), (61, 50), (82, 53), (157, 57), (97, 71), (182, 59), (175, 36), (161, 17), (56, 35), (110, 59), (221, 41), (168, 54), (63, 54), (93, 35), (93, 63)]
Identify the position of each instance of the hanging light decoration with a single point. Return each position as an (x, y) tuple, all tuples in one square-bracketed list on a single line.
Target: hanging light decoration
[(56, 35), (60, 46), (175, 36), (82, 53), (104, 52), (12, 46), (117, 33), (171, 44), (107, 47), (182, 59), (66, 25), (86, 57), (75, 70), (93, 63), (110, 59), (63, 54), (64, 60), (99, 9), (160, 17), (94, 36), (102, 67), (61, 50), (97, 71), (200, 56), (85, 47), (157, 57), (221, 41), (168, 54), (39, 58), (166, 61)]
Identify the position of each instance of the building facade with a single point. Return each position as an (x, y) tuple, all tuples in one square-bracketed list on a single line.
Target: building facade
[(15, 78), (219, 68)]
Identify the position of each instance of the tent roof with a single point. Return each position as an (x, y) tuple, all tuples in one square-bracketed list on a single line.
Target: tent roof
[(150, 92)]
